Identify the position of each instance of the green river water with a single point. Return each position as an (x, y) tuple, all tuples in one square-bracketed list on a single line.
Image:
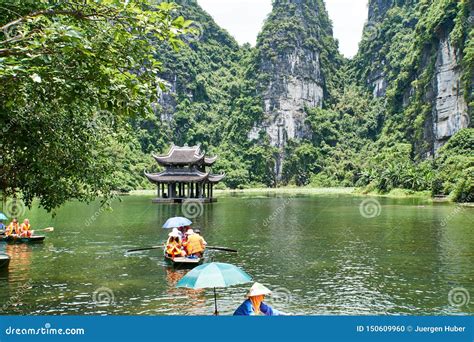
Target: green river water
[(321, 254)]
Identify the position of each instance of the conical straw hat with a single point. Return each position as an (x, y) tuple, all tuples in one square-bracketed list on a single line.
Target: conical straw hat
[(258, 289)]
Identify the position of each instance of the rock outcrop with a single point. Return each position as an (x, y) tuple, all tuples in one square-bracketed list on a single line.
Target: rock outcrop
[(291, 71), (450, 110), (445, 92)]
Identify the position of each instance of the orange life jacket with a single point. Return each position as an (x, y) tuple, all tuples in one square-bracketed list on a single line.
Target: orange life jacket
[(13, 228), (173, 249), (195, 244), (25, 230)]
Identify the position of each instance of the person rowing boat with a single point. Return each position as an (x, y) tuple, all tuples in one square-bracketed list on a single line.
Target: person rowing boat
[(195, 244), (25, 229)]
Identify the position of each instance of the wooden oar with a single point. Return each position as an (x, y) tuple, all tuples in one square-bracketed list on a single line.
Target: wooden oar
[(144, 249), (46, 230), (225, 249)]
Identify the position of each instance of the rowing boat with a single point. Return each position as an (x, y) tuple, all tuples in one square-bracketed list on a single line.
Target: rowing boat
[(17, 239), (184, 261), (4, 261)]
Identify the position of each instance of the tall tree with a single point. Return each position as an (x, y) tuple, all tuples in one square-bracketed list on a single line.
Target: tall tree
[(71, 73)]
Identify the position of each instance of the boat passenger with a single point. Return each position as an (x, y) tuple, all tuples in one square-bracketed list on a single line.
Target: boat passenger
[(2, 225), (13, 228), (25, 229), (182, 233), (195, 244), (254, 304), (174, 247)]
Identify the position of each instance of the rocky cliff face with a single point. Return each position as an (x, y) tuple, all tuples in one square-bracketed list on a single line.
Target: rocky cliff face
[(377, 39), (291, 70), (450, 110), (444, 92)]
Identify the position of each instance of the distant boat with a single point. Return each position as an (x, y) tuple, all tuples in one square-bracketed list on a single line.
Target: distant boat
[(183, 261), (17, 239), (4, 261)]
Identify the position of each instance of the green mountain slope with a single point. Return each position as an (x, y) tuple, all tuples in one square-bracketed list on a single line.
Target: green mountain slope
[(293, 111)]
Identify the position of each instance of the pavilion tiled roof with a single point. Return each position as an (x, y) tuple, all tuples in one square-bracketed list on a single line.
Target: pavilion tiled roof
[(215, 178), (184, 175), (187, 155), (184, 165)]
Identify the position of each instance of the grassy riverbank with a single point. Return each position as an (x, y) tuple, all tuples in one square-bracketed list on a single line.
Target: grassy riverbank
[(396, 193)]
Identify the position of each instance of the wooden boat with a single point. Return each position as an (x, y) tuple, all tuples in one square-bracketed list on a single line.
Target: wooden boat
[(4, 261), (17, 239), (184, 261)]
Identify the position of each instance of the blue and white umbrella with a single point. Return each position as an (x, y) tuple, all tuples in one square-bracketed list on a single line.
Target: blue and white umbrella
[(212, 275), (176, 222), (3, 217)]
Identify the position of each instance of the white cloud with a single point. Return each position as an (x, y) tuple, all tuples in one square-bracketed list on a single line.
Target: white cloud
[(244, 19)]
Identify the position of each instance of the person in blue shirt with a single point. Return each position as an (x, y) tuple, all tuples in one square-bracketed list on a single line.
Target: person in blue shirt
[(254, 304), (2, 227)]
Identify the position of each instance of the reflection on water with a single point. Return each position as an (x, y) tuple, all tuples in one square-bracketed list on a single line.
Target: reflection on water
[(318, 252)]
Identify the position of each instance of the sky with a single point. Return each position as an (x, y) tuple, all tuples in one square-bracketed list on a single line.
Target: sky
[(244, 19)]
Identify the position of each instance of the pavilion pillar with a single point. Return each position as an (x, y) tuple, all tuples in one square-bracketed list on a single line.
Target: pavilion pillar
[(189, 190), (158, 187), (163, 190)]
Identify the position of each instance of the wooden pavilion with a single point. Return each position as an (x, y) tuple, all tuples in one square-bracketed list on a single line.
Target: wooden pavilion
[(185, 176)]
